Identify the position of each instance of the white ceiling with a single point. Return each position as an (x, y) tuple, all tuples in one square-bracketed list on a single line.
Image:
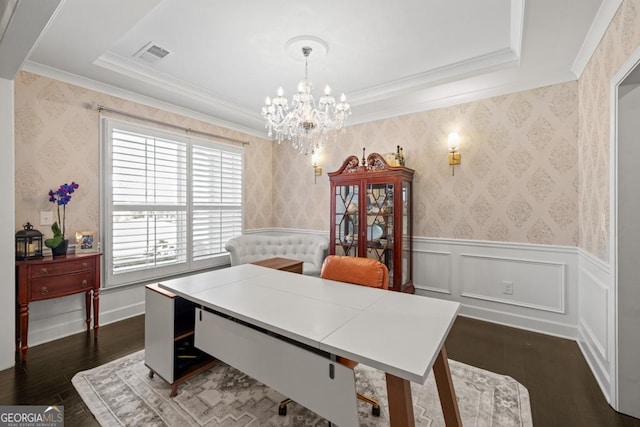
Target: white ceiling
[(389, 58)]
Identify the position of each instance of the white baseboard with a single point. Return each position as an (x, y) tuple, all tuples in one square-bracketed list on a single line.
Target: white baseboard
[(600, 371), (122, 313), (527, 323)]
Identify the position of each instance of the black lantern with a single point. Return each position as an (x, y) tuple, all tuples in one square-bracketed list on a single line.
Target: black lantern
[(28, 243)]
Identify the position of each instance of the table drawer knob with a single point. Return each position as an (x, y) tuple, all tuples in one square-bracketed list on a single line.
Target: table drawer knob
[(44, 290), (44, 271), (84, 265), (83, 284)]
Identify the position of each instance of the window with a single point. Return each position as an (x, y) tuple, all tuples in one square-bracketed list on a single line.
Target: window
[(170, 202)]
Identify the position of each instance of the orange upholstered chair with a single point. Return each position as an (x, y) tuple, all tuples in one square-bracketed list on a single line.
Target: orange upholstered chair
[(359, 271)]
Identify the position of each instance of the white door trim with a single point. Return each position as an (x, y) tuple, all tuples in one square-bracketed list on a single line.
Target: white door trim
[(629, 65)]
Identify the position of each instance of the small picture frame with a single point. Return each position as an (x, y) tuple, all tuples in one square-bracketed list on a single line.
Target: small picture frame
[(86, 242)]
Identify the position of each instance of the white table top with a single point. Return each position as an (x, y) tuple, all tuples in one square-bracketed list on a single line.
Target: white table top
[(397, 333)]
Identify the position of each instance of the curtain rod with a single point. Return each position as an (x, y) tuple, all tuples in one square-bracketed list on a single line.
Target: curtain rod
[(102, 108)]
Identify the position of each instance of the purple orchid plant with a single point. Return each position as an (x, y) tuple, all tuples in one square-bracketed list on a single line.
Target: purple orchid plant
[(61, 197)]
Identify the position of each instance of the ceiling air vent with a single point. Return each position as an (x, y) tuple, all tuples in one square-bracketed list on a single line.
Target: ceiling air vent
[(151, 52)]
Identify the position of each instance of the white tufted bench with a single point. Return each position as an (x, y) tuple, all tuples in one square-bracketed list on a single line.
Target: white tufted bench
[(309, 249)]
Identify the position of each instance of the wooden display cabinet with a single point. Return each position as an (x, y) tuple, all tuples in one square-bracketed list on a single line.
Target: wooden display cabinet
[(371, 215)]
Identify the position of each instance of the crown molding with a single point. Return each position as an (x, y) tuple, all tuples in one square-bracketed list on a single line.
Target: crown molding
[(108, 89), (441, 75), (129, 68), (599, 26), (443, 97), (468, 68)]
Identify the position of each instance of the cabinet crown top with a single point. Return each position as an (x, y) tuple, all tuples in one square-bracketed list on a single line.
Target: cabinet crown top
[(373, 163)]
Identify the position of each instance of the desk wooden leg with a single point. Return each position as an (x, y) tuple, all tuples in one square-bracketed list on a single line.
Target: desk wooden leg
[(400, 402), (96, 310), (445, 390)]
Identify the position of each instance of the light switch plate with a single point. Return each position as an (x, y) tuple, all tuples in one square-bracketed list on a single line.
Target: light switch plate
[(46, 218)]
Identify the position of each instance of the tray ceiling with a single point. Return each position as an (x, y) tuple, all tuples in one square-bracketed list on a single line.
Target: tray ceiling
[(389, 58)]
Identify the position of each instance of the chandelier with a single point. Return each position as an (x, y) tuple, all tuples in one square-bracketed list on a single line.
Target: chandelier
[(302, 123)]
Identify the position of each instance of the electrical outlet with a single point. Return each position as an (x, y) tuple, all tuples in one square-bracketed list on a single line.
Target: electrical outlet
[(46, 218), (507, 287)]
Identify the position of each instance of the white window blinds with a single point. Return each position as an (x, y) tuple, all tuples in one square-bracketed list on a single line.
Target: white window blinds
[(172, 202), (217, 199)]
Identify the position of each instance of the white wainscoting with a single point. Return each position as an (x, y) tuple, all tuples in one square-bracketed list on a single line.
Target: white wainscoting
[(595, 326), (534, 284), (543, 279)]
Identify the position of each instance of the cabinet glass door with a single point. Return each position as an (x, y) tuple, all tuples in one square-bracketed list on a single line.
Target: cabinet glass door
[(406, 231), (346, 220), (379, 211)]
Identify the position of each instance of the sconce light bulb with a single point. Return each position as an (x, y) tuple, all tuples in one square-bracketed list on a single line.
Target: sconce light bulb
[(453, 141)]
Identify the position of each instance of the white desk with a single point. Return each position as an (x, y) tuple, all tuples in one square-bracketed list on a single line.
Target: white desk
[(400, 334)]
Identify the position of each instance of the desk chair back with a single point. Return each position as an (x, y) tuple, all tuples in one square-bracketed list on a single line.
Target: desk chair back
[(356, 270)]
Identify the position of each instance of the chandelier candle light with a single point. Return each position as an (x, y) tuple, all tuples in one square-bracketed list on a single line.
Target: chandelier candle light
[(305, 125)]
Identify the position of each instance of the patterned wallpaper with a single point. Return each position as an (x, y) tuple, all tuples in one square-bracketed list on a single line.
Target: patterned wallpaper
[(57, 141), (618, 43), (518, 181)]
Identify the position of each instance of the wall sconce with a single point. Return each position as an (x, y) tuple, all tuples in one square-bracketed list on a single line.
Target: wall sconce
[(454, 155), (317, 170)]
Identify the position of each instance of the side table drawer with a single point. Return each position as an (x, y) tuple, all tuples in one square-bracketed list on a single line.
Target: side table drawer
[(59, 286), (56, 268)]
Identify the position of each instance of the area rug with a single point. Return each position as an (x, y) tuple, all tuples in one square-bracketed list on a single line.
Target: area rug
[(121, 393)]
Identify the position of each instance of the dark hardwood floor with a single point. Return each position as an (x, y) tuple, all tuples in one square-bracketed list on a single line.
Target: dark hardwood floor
[(562, 389), (45, 379)]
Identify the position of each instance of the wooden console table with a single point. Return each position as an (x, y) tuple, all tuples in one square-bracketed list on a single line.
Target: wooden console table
[(283, 264), (47, 278)]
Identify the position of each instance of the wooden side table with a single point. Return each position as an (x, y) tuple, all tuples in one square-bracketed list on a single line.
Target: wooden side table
[(48, 278), (284, 264)]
